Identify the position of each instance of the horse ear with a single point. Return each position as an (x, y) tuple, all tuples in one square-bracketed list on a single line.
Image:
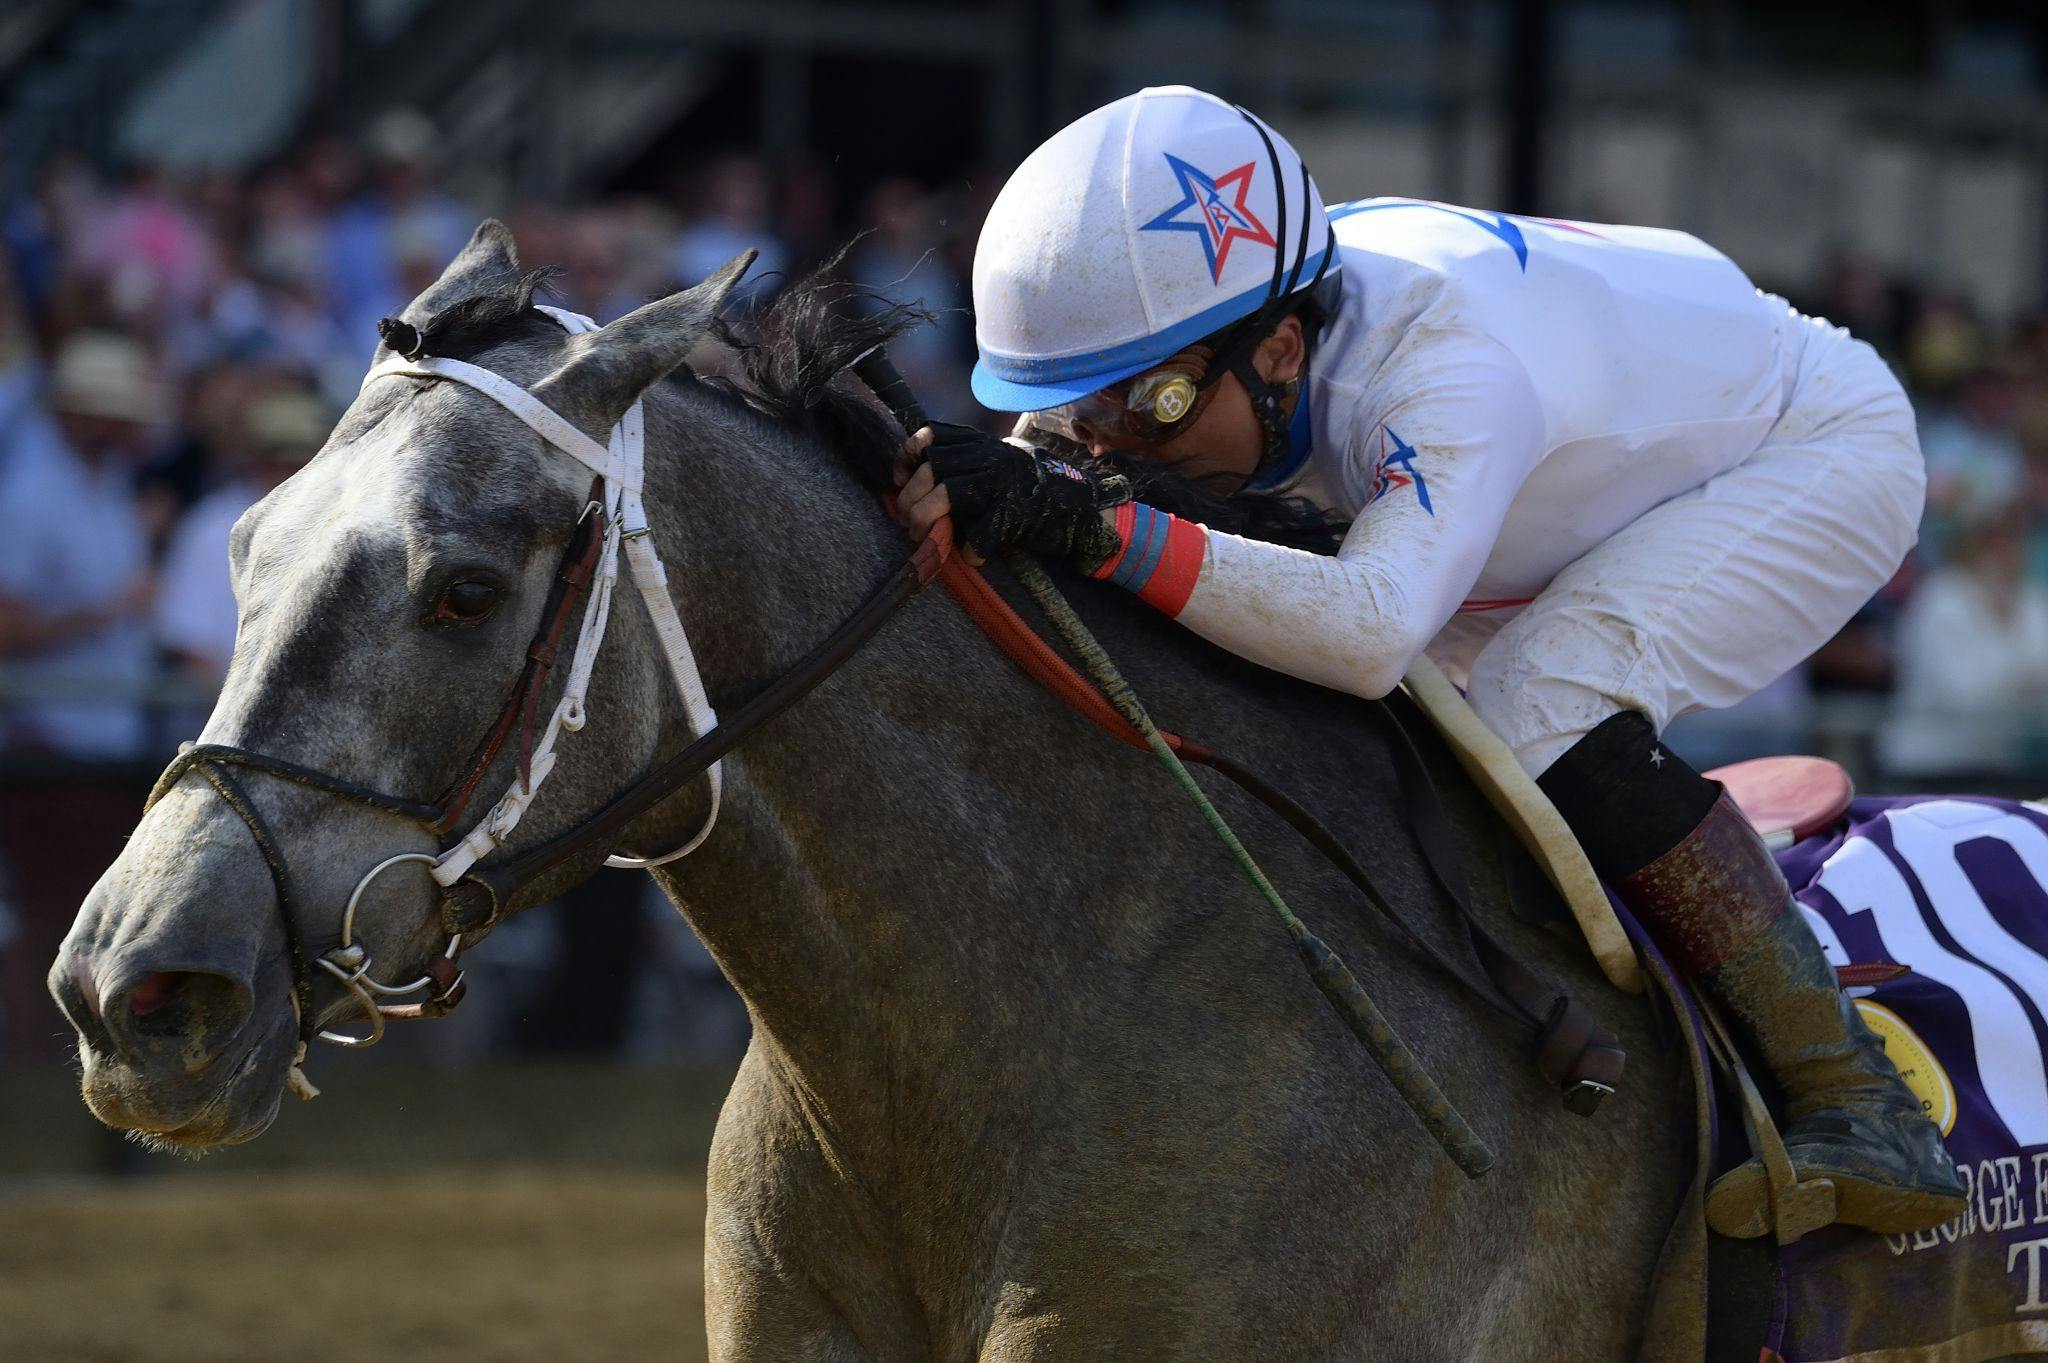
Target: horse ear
[(607, 369), (488, 262)]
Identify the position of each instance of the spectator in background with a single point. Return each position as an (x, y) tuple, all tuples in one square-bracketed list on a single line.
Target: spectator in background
[(195, 613), (729, 209), (38, 227), (208, 442), (614, 257), (1974, 462), (1972, 673), (22, 417), (809, 222), (1859, 297), (899, 261), (403, 221), (75, 581), (1943, 343), (146, 256)]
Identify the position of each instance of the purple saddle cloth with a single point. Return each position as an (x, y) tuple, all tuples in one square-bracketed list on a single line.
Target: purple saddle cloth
[(1956, 888)]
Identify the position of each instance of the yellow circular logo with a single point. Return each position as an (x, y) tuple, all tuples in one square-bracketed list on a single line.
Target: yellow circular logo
[(1916, 1064), (1173, 399)]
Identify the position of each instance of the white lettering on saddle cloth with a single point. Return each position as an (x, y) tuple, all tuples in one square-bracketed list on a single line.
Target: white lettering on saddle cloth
[(2031, 1251), (2000, 980)]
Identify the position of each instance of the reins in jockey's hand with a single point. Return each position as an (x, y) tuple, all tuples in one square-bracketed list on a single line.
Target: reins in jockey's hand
[(1006, 495)]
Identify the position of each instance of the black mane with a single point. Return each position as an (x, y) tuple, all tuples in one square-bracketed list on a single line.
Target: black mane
[(793, 358), (477, 321)]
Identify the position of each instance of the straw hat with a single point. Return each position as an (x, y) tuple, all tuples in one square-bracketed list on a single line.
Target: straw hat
[(288, 425), (102, 374)]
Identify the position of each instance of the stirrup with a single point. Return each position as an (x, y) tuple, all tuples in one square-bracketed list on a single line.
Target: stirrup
[(1793, 1206)]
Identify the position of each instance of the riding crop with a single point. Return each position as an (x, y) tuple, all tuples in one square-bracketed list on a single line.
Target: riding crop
[(1436, 1113)]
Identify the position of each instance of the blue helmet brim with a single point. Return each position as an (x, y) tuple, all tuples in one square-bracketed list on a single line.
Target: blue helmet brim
[(1008, 395)]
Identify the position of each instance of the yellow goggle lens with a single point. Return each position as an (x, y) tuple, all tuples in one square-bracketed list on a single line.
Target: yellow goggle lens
[(1169, 397)]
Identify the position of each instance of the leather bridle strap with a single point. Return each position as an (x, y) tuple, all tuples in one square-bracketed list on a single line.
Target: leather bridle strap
[(579, 565), (483, 895), (213, 762), (620, 464)]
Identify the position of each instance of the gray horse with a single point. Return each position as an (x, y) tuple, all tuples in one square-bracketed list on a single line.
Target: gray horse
[(1034, 1074)]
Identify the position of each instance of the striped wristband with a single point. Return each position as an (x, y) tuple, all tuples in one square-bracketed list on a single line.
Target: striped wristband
[(1160, 559)]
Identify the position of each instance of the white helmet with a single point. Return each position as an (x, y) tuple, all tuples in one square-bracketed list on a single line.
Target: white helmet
[(1132, 233)]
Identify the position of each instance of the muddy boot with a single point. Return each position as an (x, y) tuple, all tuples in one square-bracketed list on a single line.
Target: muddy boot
[(1692, 869), (1849, 1118)]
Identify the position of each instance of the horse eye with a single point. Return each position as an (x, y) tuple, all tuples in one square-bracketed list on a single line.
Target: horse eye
[(467, 602)]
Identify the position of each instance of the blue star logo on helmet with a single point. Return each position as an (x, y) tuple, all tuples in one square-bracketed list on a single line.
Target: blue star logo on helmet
[(1221, 215)]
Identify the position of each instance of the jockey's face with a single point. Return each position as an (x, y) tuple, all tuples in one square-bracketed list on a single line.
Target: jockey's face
[(1221, 443)]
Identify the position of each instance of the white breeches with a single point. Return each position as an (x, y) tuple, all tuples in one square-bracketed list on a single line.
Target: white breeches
[(1719, 591)]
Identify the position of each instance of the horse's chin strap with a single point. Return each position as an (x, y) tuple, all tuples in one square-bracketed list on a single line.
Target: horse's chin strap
[(621, 466)]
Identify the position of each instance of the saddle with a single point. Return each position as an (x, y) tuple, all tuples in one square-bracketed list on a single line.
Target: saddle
[(1784, 799)]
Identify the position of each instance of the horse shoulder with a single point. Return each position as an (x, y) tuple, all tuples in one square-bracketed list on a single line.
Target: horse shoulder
[(792, 1250)]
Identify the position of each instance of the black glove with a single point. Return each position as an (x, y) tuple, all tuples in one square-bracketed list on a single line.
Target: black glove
[(1004, 497)]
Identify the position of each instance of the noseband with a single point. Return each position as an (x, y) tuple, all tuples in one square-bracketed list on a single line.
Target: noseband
[(612, 525)]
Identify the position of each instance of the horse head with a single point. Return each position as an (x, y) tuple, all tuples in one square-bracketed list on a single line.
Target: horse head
[(389, 594)]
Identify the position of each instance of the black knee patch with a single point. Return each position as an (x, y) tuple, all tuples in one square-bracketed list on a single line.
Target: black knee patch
[(1629, 798)]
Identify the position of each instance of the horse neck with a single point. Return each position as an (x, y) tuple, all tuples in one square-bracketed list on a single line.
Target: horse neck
[(880, 862)]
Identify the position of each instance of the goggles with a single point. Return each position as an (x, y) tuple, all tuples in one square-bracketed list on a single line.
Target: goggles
[(1146, 409)]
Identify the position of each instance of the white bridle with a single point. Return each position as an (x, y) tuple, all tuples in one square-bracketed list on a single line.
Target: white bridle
[(621, 464)]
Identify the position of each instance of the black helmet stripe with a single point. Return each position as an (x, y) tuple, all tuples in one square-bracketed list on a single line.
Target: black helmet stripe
[(1301, 247), (1280, 200)]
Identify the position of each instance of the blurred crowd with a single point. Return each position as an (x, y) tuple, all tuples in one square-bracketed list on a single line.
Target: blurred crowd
[(172, 348)]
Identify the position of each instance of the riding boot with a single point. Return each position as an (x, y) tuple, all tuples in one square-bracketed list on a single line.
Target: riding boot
[(1714, 899), (1849, 1118)]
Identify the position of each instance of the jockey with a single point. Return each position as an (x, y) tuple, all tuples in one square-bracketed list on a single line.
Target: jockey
[(1591, 470)]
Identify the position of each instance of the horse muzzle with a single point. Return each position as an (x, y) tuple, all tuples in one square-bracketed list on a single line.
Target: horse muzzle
[(181, 1055), (232, 1099)]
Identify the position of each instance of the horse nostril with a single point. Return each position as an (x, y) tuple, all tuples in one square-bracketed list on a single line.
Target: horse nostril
[(168, 1004), (155, 991)]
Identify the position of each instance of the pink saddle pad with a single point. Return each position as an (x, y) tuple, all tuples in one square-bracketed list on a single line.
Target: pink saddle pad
[(1787, 798)]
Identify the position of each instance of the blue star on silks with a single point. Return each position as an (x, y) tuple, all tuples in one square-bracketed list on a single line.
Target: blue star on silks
[(1218, 221), (1500, 224), (1385, 480)]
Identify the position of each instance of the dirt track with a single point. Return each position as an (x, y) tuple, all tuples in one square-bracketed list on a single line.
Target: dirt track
[(556, 1263)]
